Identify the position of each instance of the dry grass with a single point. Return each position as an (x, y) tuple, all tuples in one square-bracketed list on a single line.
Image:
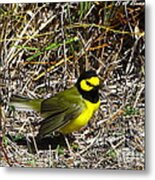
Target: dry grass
[(43, 49)]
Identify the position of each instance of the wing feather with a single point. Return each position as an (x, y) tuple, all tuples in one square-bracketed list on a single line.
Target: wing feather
[(59, 111)]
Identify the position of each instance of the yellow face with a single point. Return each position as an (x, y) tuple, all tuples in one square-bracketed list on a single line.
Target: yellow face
[(90, 83)]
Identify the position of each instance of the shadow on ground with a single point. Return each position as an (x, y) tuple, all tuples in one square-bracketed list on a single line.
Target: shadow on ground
[(35, 143)]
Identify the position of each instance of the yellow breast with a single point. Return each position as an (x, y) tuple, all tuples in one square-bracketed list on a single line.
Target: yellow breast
[(81, 120)]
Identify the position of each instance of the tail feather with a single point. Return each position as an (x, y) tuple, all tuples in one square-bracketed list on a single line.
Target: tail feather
[(25, 104)]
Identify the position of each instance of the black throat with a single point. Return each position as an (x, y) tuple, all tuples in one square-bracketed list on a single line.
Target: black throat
[(92, 96)]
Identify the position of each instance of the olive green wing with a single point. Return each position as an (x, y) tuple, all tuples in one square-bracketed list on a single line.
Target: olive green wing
[(59, 111)]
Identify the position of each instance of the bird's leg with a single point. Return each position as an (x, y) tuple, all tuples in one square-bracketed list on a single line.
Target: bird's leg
[(68, 145)]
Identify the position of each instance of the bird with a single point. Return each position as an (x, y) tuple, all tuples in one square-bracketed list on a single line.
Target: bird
[(67, 111)]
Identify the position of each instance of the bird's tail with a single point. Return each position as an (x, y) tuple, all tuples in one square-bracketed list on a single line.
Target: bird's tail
[(25, 104)]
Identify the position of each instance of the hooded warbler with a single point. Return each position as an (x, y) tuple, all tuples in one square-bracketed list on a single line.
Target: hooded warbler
[(69, 110)]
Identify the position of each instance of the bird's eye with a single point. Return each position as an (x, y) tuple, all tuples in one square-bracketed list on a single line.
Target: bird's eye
[(89, 84)]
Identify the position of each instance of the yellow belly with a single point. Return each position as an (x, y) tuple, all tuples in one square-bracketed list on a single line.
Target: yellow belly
[(81, 120)]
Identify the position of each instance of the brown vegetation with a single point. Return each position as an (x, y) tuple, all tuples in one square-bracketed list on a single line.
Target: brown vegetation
[(43, 50)]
